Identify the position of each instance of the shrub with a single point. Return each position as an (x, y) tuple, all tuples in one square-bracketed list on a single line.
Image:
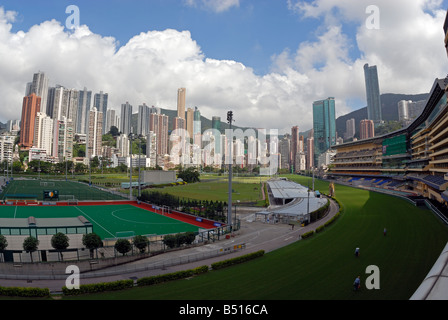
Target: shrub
[(308, 234), (237, 260), (99, 287), (24, 292)]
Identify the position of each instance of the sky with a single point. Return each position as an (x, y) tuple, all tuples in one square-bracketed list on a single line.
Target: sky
[(266, 60)]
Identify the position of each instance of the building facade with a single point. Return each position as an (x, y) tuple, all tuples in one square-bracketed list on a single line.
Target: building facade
[(324, 126)]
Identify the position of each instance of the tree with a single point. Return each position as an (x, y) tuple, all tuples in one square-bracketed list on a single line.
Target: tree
[(123, 246), (30, 245), (189, 175), (59, 241), (3, 242), (92, 241), (140, 242), (170, 241)]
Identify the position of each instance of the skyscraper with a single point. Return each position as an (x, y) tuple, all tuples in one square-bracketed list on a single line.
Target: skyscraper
[(350, 128), (294, 145), (100, 103), (39, 86), (126, 116), (30, 108), (373, 94), (181, 97), (216, 125), (43, 132), (324, 126), (143, 120), (84, 104), (94, 134), (190, 122)]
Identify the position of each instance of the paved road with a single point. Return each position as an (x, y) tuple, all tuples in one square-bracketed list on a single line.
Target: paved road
[(256, 235)]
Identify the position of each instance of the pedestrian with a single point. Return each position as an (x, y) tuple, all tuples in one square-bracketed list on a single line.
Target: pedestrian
[(357, 252), (384, 232), (357, 284)]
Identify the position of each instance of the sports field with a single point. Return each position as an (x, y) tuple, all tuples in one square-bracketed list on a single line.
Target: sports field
[(67, 190), (107, 220), (324, 266)]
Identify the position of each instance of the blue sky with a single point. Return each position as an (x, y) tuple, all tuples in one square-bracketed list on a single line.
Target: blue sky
[(251, 33), (268, 60)]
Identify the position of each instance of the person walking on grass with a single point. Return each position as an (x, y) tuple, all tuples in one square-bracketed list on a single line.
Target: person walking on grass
[(357, 252), (384, 231), (357, 284)]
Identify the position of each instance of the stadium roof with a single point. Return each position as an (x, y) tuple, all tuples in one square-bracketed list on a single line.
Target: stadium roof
[(283, 189), (43, 222)]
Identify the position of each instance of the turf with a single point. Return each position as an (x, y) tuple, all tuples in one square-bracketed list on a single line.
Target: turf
[(106, 219), (324, 266), (80, 191)]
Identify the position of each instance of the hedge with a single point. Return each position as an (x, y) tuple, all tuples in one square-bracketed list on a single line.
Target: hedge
[(237, 260), (149, 281), (24, 292), (307, 234), (99, 287)]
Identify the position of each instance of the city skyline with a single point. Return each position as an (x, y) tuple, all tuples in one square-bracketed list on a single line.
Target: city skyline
[(312, 54)]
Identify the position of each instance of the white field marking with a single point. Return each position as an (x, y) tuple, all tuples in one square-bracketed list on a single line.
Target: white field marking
[(96, 222), (140, 222)]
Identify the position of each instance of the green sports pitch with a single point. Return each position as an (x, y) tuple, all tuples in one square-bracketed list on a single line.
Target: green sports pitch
[(108, 220)]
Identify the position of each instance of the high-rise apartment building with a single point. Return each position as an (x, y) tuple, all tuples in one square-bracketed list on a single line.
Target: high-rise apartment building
[(350, 129), (374, 112), (143, 120), (84, 105), (181, 100), (30, 107), (285, 152), (112, 120), (100, 103), (126, 117), (324, 126), (94, 134), (158, 123), (366, 129), (43, 133), (63, 135)]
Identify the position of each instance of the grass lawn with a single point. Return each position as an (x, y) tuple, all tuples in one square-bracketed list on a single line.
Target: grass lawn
[(216, 191), (324, 266)]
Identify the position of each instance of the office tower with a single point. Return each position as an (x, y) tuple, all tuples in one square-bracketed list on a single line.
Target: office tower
[(43, 132), (190, 122), (63, 134), (94, 134), (324, 126), (366, 129), (294, 145), (181, 97), (126, 117), (100, 103), (143, 120), (39, 86), (84, 104), (350, 128), (373, 94), (30, 108)]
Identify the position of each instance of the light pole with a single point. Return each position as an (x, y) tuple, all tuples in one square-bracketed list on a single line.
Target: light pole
[(230, 138)]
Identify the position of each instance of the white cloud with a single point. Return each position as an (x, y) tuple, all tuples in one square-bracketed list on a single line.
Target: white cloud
[(151, 67), (214, 5)]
